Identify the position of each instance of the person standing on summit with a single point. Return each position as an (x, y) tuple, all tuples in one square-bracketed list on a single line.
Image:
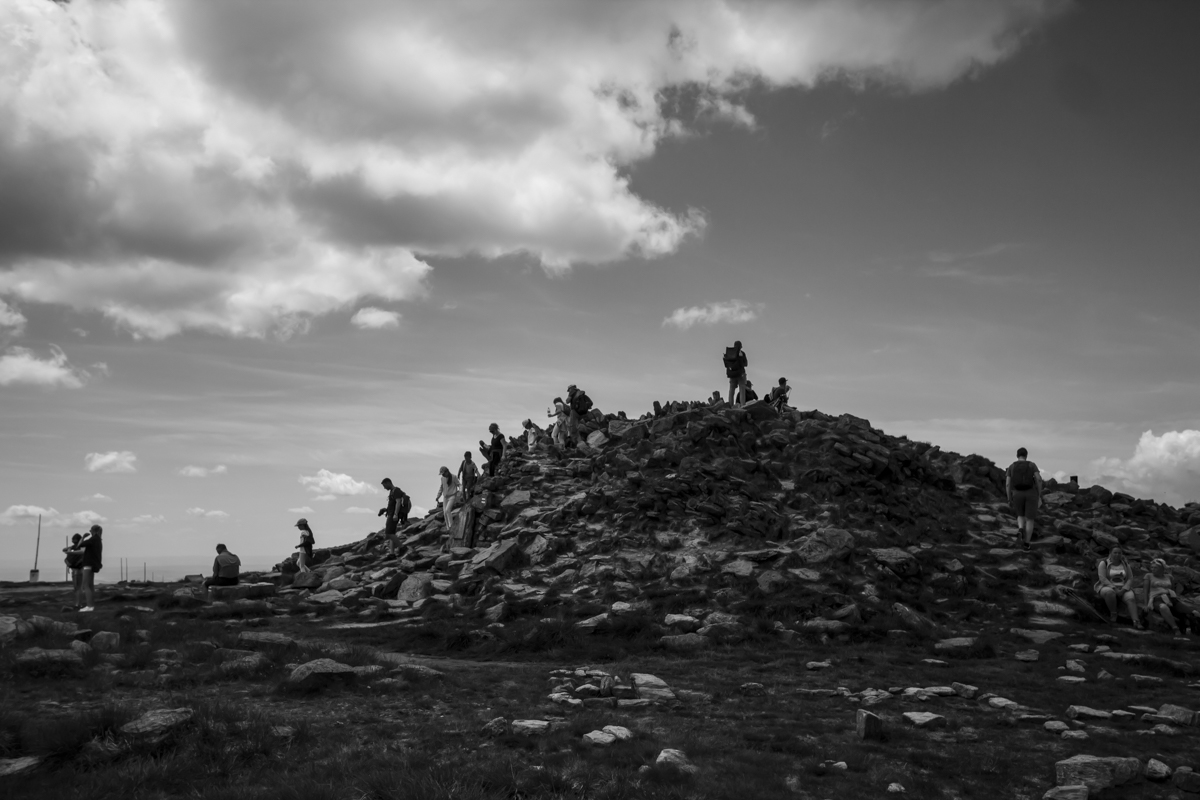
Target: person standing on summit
[(1024, 489), (735, 369)]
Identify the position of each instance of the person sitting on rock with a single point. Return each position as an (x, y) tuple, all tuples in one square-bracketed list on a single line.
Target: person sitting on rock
[(779, 395), (448, 494), (1116, 583), (559, 413), (1024, 488), (226, 568), (747, 395), (307, 539), (1161, 596)]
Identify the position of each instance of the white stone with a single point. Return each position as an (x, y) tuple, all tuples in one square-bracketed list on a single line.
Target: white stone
[(599, 738), (530, 727)]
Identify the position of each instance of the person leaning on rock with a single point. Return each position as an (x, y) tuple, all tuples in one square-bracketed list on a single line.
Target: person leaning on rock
[(1116, 583), (226, 568), (532, 434), (735, 369), (1024, 488), (397, 508), (748, 395)]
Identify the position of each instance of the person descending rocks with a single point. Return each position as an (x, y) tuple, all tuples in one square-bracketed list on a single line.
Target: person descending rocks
[(778, 398), (226, 568), (307, 540), (448, 494), (1161, 597), (1024, 488), (579, 405), (494, 450), (735, 369), (532, 434), (749, 395), (468, 473), (559, 413), (90, 564), (398, 506), (1116, 583)]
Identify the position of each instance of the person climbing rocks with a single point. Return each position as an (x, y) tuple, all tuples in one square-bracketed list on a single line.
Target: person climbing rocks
[(91, 563), (735, 369), (1116, 583), (1023, 484), (532, 434), (307, 540), (778, 398), (748, 395), (226, 568), (398, 506), (467, 474), (559, 413), (448, 494), (495, 449), (579, 405), (1161, 597)]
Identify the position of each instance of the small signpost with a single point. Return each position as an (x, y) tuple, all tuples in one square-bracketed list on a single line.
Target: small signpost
[(33, 573)]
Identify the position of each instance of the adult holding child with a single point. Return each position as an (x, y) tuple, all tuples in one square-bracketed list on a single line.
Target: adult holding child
[(1116, 583)]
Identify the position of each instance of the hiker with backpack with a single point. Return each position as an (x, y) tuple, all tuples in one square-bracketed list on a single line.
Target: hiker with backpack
[(735, 369), (579, 406), (448, 494), (467, 474), (398, 506), (559, 413), (1024, 489), (779, 395)]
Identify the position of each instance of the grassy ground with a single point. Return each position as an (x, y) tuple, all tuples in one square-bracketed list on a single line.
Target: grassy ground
[(413, 736)]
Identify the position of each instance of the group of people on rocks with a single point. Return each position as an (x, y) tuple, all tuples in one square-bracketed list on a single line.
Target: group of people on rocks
[(1116, 582), (741, 389)]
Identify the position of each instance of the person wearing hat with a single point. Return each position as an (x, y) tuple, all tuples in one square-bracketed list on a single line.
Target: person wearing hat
[(306, 545), (397, 508), (1161, 596), (779, 395)]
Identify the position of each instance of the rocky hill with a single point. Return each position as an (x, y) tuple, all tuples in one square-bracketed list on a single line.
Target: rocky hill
[(816, 522)]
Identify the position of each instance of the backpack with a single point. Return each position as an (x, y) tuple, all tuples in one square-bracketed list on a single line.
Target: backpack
[(1022, 475), (733, 362), (405, 504), (582, 403), (74, 560)]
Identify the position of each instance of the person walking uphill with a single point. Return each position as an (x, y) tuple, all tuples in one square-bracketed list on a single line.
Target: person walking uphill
[(1023, 485), (735, 369), (226, 568), (578, 406), (398, 506)]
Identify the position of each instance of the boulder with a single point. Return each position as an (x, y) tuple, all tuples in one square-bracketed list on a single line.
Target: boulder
[(868, 725), (1078, 792), (675, 760), (1157, 770), (901, 562), (740, 568), (498, 556), (622, 734), (530, 727), (38, 657), (1096, 772), (417, 586), (597, 439), (158, 723), (651, 687), (682, 622), (320, 672), (1177, 714), (242, 666), (925, 719), (106, 641), (516, 500), (826, 544), (307, 580), (13, 628), (599, 738)]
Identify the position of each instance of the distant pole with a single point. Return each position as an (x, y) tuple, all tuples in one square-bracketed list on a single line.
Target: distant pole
[(143, 572), (38, 546)]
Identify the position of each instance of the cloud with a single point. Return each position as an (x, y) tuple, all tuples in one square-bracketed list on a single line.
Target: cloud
[(416, 512), (51, 517), (99, 498), (148, 519), (112, 461), (324, 498), (19, 365), (360, 510), (202, 472), (200, 512), (200, 165), (328, 484), (301, 510), (375, 319), (732, 312), (1164, 467), (12, 319)]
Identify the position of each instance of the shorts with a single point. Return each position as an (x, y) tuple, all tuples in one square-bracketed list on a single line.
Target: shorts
[(1025, 503), (390, 528)]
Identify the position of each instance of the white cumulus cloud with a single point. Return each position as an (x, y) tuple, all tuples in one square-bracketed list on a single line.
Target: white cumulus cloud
[(243, 167), (200, 512), (11, 318), (112, 461), (1165, 468), (360, 510), (20, 365), (191, 471), (51, 517), (730, 312), (99, 498), (327, 485), (375, 319), (148, 519), (301, 510)]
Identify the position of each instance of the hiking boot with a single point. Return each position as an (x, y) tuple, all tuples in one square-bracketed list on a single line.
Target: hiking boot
[(87, 608)]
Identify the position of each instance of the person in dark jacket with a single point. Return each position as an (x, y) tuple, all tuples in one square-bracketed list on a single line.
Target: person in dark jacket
[(494, 450), (1023, 482), (749, 395), (735, 370), (74, 562), (397, 514), (226, 569), (90, 564)]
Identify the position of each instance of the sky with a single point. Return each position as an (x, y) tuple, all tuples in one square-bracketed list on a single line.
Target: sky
[(255, 257)]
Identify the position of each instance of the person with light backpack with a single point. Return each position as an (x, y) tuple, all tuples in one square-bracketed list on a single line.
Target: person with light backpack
[(468, 473), (735, 369), (1024, 488)]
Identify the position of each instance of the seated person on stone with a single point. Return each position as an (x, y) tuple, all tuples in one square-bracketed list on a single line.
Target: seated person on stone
[(1116, 583), (226, 567), (1161, 596)]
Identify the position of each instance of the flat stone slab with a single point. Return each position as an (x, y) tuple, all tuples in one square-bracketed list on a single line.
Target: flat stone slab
[(651, 687), (18, 766), (530, 727), (1036, 636), (925, 719), (1083, 712), (1095, 772), (243, 591), (319, 671), (158, 722), (256, 639)]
